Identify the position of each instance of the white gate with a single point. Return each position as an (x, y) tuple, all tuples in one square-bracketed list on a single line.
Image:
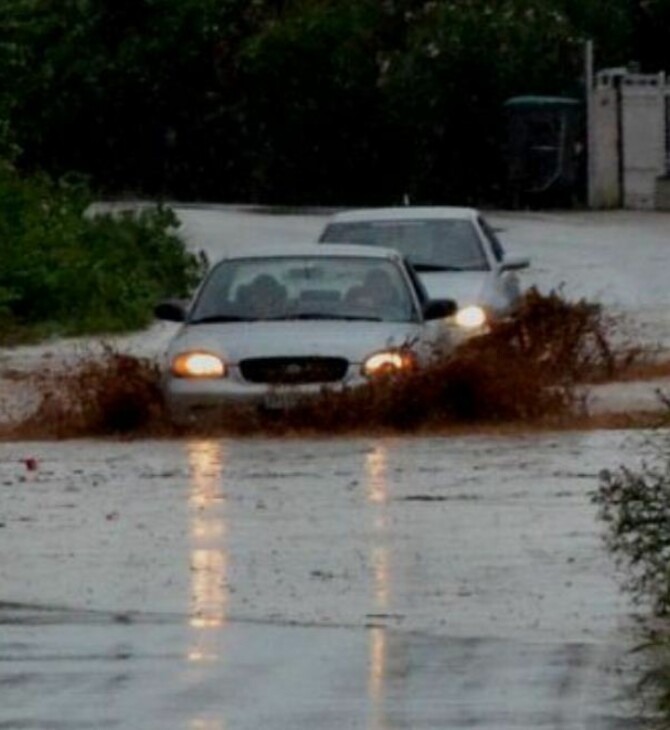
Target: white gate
[(629, 139), (643, 101)]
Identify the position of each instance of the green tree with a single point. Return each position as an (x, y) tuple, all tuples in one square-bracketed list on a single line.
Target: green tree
[(70, 272), (315, 129), (295, 100), (121, 90), (446, 88)]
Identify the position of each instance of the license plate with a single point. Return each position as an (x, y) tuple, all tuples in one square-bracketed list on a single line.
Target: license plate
[(280, 400)]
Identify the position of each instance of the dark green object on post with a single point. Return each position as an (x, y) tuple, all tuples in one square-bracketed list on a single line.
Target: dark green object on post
[(545, 150)]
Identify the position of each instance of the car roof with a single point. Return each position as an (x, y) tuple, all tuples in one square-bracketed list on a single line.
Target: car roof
[(338, 250), (414, 212)]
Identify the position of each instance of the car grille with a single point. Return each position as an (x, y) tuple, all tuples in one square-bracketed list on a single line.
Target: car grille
[(294, 370)]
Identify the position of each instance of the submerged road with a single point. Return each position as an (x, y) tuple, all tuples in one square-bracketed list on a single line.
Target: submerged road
[(372, 584), (376, 584)]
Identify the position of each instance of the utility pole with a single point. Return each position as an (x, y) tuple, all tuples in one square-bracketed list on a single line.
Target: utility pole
[(590, 132)]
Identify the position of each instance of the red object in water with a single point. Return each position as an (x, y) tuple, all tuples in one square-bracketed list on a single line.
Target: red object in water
[(31, 463)]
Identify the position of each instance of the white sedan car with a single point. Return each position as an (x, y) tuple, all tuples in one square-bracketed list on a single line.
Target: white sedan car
[(455, 251), (270, 326)]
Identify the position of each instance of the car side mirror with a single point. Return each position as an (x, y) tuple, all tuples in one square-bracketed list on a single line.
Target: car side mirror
[(439, 309), (514, 264), (171, 310)]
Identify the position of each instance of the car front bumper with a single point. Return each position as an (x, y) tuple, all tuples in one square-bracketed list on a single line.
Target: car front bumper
[(191, 400)]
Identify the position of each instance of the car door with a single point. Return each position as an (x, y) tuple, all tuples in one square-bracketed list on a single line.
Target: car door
[(506, 286), (438, 333)]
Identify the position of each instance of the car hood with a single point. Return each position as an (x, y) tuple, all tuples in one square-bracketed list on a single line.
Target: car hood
[(465, 287), (295, 338)]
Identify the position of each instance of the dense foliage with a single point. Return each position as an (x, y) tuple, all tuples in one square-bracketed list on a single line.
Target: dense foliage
[(65, 272), (296, 101), (634, 502)]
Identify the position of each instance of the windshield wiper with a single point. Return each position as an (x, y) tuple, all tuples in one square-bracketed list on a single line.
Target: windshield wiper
[(219, 318), (436, 267), (214, 318), (322, 315), (358, 318)]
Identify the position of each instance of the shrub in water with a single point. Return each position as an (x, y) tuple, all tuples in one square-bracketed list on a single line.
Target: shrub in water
[(635, 506)]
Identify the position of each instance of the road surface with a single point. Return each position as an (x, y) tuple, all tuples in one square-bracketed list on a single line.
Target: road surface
[(368, 583)]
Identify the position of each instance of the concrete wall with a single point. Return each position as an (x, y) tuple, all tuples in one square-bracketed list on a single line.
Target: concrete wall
[(605, 184), (643, 108), (627, 139)]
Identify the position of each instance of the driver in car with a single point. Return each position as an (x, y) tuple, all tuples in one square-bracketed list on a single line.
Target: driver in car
[(263, 298), (375, 294)]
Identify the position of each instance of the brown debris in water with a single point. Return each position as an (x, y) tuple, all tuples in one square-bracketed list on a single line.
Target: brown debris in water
[(112, 394), (523, 373)]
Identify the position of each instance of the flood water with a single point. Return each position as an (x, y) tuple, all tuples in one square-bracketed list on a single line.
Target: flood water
[(380, 584), (318, 584)]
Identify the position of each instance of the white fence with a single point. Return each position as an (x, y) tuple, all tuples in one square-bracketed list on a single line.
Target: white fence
[(629, 139)]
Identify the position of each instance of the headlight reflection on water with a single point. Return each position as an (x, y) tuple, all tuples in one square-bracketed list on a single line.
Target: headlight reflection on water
[(376, 467), (202, 723), (207, 521), (209, 564)]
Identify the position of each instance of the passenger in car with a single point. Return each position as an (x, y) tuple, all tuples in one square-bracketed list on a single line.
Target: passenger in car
[(263, 297), (375, 294)]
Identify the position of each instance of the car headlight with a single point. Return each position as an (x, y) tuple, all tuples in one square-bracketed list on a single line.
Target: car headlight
[(470, 317), (198, 365), (388, 363)]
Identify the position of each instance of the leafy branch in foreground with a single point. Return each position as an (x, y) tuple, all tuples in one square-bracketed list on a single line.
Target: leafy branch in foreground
[(636, 507)]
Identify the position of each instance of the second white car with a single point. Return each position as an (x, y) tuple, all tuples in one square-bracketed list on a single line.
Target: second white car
[(454, 250)]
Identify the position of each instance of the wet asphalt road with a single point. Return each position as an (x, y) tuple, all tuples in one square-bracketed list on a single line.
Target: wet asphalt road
[(376, 584)]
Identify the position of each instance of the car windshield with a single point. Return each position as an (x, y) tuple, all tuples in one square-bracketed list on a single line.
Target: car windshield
[(305, 287), (430, 244)]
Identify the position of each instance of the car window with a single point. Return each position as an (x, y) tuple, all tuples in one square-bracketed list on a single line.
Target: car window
[(310, 287), (430, 243), (494, 241)]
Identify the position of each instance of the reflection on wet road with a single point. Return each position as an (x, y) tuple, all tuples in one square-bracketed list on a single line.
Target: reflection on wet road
[(376, 466), (382, 584), (208, 558)]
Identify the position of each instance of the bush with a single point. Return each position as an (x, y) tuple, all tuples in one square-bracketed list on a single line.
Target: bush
[(67, 273), (635, 505)]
